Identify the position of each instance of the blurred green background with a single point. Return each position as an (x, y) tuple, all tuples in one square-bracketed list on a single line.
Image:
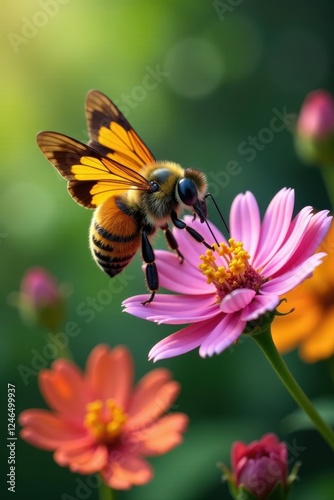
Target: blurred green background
[(222, 71)]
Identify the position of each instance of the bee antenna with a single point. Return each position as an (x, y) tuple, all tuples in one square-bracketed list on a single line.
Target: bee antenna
[(218, 210), (204, 219), (212, 233)]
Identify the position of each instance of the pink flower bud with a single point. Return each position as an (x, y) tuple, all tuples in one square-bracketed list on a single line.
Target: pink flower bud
[(314, 137), (40, 299), (39, 288), (259, 466), (316, 118)]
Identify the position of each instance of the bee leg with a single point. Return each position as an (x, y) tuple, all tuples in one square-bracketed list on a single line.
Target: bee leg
[(171, 241), (152, 278), (182, 225)]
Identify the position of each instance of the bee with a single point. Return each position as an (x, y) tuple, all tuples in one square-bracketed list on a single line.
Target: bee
[(133, 194)]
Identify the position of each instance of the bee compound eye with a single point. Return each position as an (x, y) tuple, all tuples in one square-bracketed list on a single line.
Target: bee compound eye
[(154, 186), (187, 191)]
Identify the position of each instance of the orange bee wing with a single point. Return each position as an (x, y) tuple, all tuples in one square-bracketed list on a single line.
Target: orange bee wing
[(112, 135), (92, 178)]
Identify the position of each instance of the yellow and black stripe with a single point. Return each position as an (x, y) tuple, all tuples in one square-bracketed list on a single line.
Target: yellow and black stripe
[(115, 235)]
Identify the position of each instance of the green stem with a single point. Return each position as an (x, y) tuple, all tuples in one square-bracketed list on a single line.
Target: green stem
[(63, 350), (106, 493), (330, 363), (328, 177), (265, 342)]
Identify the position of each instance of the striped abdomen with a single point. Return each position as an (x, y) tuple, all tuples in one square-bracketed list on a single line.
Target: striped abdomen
[(115, 235)]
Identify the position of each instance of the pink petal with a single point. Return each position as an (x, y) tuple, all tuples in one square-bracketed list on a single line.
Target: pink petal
[(238, 451), (190, 248), (294, 277), (245, 221), (275, 226), (184, 340), (181, 278), (295, 234), (227, 331), (173, 309), (260, 305), (236, 300), (310, 240)]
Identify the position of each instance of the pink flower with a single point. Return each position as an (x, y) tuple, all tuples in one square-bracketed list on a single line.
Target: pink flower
[(41, 299), (314, 137), (98, 423), (316, 118), (260, 466), (40, 288), (238, 282)]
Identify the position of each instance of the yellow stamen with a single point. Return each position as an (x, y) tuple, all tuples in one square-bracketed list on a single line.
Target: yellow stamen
[(235, 272), (105, 420)]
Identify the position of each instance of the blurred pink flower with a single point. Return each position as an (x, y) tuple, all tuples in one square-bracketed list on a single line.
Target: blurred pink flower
[(316, 118), (237, 283), (260, 466), (314, 134), (98, 423), (41, 300), (40, 287)]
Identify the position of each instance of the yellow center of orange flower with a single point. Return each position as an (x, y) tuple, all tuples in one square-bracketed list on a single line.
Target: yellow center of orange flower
[(105, 420), (233, 271)]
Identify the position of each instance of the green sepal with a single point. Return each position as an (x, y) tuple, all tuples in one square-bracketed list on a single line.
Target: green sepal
[(243, 494), (278, 493), (315, 151)]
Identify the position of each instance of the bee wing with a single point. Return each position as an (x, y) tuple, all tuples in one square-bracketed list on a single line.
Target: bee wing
[(112, 135), (92, 178)]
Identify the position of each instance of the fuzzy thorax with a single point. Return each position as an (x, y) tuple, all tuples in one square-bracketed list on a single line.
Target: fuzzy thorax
[(156, 207)]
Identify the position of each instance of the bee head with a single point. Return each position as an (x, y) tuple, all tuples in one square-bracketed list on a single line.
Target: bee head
[(172, 187), (192, 190)]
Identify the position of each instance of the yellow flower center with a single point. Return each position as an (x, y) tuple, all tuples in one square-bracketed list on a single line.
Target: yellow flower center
[(105, 420), (233, 271)]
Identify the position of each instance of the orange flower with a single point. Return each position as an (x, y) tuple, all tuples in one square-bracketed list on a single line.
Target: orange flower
[(311, 325), (98, 423)]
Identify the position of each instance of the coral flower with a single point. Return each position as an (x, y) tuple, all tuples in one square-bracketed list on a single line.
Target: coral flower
[(241, 280), (311, 325), (98, 423)]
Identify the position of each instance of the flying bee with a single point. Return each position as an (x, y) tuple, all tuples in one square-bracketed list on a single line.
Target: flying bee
[(133, 194)]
